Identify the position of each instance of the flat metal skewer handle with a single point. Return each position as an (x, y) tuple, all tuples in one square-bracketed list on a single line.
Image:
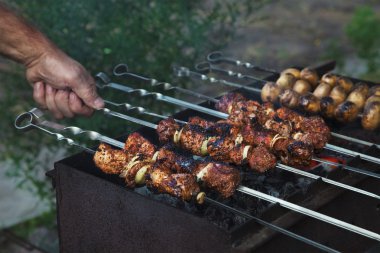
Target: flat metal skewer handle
[(159, 97), (218, 57), (206, 67), (186, 72), (121, 70), (28, 120)]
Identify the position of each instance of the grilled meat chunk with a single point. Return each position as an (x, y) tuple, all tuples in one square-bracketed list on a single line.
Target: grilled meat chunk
[(178, 163), (288, 150), (109, 160), (166, 129), (220, 177), (137, 144), (181, 185), (200, 122), (311, 130), (261, 159), (226, 101), (192, 138)]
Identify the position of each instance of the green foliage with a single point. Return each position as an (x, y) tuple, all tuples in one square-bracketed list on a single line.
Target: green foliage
[(364, 33), (150, 36)]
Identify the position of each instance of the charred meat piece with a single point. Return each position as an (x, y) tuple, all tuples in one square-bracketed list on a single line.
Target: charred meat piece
[(213, 175), (177, 162), (227, 100), (288, 150), (200, 122), (314, 129), (109, 160), (220, 177), (166, 129), (137, 144), (181, 185), (191, 138), (261, 159)]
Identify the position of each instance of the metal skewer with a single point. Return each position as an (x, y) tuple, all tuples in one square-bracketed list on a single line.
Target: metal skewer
[(27, 121), (160, 97), (206, 67), (218, 57), (271, 226)]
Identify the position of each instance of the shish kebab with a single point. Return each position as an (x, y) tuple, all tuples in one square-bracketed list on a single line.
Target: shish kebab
[(272, 199), (193, 138), (135, 167), (96, 136), (334, 96), (26, 121), (104, 82), (185, 72), (141, 110)]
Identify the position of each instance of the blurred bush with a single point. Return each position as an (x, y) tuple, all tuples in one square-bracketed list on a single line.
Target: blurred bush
[(150, 36), (364, 32)]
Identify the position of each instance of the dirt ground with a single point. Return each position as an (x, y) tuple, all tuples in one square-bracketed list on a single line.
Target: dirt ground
[(300, 33)]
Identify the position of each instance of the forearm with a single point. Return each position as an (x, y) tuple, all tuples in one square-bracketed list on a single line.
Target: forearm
[(19, 40)]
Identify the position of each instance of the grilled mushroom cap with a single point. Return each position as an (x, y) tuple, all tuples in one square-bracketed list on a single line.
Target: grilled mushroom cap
[(302, 87), (358, 95), (372, 98), (289, 98), (371, 116), (375, 90), (270, 92), (286, 81), (330, 79), (310, 75), (322, 90), (295, 72), (327, 107), (346, 111), (346, 84), (309, 103), (338, 94)]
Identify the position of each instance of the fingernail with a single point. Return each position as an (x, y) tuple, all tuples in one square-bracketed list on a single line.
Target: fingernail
[(99, 103), (37, 85)]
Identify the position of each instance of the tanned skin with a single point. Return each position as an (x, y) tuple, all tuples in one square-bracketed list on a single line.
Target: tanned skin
[(60, 84)]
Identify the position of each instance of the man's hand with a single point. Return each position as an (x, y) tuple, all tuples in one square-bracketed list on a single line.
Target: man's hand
[(62, 85)]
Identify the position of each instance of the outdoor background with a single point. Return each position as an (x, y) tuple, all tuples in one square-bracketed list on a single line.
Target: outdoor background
[(152, 36)]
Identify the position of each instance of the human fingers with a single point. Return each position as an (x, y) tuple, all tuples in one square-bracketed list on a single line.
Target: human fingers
[(77, 106), (84, 86), (39, 94), (62, 103), (50, 102)]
